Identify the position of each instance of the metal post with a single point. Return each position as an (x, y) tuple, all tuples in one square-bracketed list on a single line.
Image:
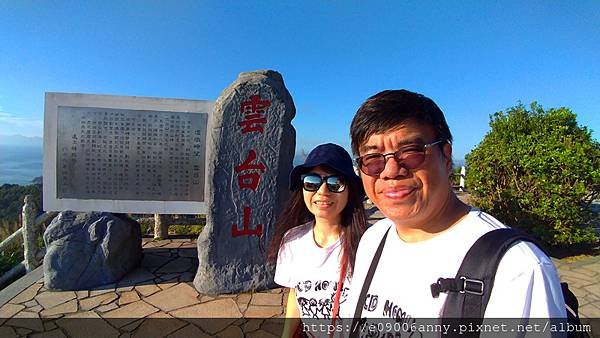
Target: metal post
[(30, 232)]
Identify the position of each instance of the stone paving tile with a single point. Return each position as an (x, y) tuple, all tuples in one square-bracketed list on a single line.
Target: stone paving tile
[(231, 332), (36, 309), (260, 311), (204, 299), (137, 309), (137, 276), (163, 252), (147, 290), (50, 299), (177, 297), (190, 253), (273, 299), (167, 277), (243, 301), (133, 326), (593, 289), (273, 327), (93, 302), (33, 323), (178, 265), (9, 310), (128, 297), (23, 332), (91, 328), (49, 326), (220, 308), (153, 262), (187, 277), (252, 325), (173, 245), (261, 334), (68, 307), (49, 334), (590, 310), (8, 332), (81, 294), (107, 307), (27, 295), (159, 325), (168, 283), (103, 289), (576, 275), (155, 244), (31, 303), (125, 288), (189, 331)]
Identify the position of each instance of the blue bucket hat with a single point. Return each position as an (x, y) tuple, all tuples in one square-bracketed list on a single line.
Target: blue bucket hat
[(330, 155)]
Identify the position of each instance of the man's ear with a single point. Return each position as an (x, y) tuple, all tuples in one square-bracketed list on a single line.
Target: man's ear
[(447, 151)]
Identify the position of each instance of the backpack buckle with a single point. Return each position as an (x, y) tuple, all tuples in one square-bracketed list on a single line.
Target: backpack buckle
[(472, 286)]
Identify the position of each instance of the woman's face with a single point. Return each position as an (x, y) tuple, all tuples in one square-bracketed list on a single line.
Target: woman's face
[(324, 203)]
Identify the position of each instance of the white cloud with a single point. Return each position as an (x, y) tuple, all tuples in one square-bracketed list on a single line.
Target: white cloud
[(11, 124)]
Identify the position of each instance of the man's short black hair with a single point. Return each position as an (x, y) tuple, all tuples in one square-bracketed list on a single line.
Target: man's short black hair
[(388, 109)]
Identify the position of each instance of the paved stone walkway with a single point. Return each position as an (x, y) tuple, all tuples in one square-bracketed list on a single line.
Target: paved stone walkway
[(159, 300), (138, 305)]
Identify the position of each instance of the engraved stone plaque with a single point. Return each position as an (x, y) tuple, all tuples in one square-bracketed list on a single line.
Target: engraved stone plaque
[(124, 154)]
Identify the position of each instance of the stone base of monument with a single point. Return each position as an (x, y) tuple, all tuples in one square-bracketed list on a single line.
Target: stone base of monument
[(86, 250)]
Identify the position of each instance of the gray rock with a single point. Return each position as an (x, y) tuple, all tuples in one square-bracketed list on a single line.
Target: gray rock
[(86, 250), (253, 143)]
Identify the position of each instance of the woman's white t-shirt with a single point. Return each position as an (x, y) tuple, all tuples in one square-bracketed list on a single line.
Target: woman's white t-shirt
[(312, 271)]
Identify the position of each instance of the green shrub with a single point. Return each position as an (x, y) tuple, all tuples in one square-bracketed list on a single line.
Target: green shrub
[(147, 226), (185, 229), (10, 257), (11, 199), (538, 171)]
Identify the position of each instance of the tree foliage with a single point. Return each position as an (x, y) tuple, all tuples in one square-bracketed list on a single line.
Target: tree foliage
[(538, 171), (11, 200)]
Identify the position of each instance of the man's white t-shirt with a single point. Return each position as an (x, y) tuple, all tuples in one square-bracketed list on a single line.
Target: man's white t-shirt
[(312, 271), (526, 283)]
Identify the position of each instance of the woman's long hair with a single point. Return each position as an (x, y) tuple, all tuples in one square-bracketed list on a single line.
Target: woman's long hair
[(353, 222)]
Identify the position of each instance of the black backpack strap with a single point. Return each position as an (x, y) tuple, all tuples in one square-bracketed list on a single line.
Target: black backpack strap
[(469, 292), (365, 288)]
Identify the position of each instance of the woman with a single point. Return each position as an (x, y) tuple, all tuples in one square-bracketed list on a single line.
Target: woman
[(317, 235)]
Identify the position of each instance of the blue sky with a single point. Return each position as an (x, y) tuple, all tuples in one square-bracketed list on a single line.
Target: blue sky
[(472, 57)]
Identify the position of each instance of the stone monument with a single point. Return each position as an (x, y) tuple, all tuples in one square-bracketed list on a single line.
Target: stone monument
[(252, 146)]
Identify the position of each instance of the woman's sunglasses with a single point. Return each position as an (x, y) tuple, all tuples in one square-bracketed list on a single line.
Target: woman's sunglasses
[(312, 182)]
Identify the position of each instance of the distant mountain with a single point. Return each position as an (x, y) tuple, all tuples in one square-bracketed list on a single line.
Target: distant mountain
[(20, 140)]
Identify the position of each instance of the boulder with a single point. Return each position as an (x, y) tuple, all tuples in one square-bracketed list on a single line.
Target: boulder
[(251, 144), (86, 250)]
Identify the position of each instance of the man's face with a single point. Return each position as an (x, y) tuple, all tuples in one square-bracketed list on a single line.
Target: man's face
[(411, 198)]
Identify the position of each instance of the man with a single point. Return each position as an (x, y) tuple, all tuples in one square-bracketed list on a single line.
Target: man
[(404, 149)]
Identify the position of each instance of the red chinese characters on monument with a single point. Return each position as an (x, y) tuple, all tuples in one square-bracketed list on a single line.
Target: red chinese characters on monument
[(250, 180), (250, 171), (253, 110), (246, 230)]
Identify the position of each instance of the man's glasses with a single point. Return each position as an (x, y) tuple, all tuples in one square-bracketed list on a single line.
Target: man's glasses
[(312, 182), (409, 157)]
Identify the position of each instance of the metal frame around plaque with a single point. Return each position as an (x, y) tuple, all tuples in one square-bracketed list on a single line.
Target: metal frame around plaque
[(125, 154)]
